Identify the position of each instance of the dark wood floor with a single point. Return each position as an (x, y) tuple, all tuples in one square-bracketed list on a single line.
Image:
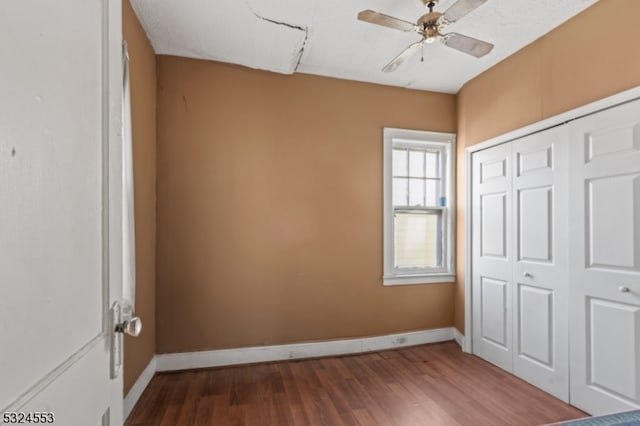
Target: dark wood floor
[(423, 385)]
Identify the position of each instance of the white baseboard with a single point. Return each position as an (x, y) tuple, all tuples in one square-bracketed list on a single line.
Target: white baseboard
[(187, 360), (459, 338), (138, 387), (222, 357)]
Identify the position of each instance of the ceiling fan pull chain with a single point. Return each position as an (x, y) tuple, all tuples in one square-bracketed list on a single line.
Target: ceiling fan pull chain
[(422, 53)]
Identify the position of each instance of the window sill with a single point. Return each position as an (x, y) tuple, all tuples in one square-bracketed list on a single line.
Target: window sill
[(417, 279)]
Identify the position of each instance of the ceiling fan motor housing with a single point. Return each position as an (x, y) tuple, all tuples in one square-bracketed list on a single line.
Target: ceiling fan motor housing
[(430, 25), (428, 2)]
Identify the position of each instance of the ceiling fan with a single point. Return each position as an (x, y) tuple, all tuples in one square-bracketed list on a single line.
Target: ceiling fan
[(430, 27)]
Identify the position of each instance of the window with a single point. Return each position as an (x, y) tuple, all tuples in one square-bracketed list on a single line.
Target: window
[(418, 207)]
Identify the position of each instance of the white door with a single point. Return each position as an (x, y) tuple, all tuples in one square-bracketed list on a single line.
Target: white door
[(605, 260), (492, 256), (60, 209), (540, 276)]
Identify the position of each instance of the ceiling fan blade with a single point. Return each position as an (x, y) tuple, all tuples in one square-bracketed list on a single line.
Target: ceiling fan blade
[(406, 54), (460, 8), (469, 45), (385, 20)]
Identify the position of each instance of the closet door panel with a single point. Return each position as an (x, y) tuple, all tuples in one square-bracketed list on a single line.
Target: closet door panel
[(540, 265), (493, 318), (614, 375), (610, 244), (535, 325), (492, 256), (493, 225), (605, 260), (535, 224)]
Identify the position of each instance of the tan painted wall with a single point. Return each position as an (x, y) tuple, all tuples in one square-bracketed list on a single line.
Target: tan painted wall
[(592, 56), (139, 350), (270, 208)]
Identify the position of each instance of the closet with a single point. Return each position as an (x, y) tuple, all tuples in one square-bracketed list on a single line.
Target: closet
[(555, 265), (520, 259)]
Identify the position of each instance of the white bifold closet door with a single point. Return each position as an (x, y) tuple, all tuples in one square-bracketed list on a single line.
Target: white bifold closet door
[(520, 258), (492, 256), (605, 260)]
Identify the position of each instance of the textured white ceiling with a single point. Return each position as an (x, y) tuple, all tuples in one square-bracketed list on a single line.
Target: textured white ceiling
[(324, 37)]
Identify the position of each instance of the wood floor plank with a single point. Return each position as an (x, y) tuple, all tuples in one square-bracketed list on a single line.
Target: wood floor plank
[(433, 384)]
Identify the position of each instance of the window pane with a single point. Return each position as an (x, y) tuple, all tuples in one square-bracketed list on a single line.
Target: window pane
[(416, 163), (399, 162), (433, 166), (433, 193), (400, 191), (416, 192), (416, 242)]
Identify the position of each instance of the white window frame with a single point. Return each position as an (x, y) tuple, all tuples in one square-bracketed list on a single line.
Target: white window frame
[(446, 143)]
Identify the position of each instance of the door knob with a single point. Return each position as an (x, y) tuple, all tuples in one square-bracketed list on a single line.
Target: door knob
[(624, 289), (132, 327), (123, 321)]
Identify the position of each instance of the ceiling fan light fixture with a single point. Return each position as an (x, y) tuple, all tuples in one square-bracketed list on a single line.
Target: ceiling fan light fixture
[(430, 40)]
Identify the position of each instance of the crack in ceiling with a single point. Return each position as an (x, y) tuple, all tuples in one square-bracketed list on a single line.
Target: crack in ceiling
[(301, 52), (298, 57)]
